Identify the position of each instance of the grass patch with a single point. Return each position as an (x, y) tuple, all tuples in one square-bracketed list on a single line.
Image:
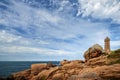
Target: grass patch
[(114, 62), (114, 57), (114, 54), (43, 78), (113, 78)]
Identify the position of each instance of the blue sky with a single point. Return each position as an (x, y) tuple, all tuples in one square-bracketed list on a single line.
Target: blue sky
[(32, 30)]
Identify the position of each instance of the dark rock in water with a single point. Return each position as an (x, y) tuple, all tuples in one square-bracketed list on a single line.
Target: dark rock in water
[(51, 64), (7, 78), (3, 79)]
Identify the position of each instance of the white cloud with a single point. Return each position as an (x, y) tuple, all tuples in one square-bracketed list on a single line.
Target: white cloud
[(100, 9), (65, 4), (49, 24), (115, 44), (8, 38), (45, 32), (65, 27), (22, 49), (23, 15)]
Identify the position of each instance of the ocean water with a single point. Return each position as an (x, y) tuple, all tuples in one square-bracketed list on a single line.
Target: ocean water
[(9, 67)]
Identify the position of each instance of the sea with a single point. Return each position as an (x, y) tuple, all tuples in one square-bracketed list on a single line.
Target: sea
[(9, 67)]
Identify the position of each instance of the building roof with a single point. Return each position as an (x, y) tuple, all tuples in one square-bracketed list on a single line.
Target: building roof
[(107, 39)]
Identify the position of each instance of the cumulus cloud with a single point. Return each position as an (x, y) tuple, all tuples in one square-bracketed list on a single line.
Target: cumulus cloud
[(100, 9)]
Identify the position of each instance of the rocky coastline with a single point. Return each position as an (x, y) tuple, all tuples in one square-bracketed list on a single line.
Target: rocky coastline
[(97, 66)]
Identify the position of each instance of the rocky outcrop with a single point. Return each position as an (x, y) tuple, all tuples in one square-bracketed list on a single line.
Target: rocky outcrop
[(36, 68), (109, 72), (64, 62), (96, 68), (45, 74), (73, 64), (58, 76), (23, 75), (94, 51), (98, 61), (106, 72), (86, 76), (93, 69)]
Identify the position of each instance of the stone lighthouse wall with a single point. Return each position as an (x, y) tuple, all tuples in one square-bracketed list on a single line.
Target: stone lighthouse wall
[(107, 45)]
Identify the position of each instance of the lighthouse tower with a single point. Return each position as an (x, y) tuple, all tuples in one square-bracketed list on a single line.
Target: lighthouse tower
[(107, 45)]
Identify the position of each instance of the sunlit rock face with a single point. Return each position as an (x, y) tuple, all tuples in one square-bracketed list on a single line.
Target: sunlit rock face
[(94, 51), (96, 68)]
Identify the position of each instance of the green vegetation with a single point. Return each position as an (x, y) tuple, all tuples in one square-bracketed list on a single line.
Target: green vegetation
[(113, 78), (43, 78), (114, 54), (114, 62), (114, 57), (104, 53)]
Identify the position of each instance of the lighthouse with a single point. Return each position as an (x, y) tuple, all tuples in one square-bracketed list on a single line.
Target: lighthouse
[(107, 45)]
